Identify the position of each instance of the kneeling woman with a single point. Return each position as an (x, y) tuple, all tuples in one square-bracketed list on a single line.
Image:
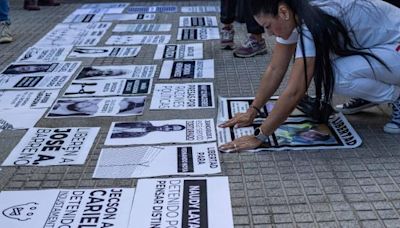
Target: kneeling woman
[(350, 47)]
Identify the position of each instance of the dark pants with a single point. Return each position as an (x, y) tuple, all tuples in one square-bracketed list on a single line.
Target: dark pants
[(228, 15), (394, 2)]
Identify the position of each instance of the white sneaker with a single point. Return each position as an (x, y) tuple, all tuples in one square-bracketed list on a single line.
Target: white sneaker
[(393, 127), (5, 34)]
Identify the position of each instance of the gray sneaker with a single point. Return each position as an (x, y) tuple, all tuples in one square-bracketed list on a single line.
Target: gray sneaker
[(227, 36), (250, 48), (5, 34)]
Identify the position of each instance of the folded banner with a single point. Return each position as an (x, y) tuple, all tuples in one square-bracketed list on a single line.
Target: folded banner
[(152, 161), (91, 107), (202, 202), (198, 34), (198, 21), (103, 207), (45, 54), (165, 131), (298, 132), (179, 51), (102, 52), (117, 72), (142, 28), (53, 146)]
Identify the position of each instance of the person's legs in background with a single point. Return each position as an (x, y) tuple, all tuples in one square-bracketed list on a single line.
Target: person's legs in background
[(31, 5), (5, 34), (228, 10)]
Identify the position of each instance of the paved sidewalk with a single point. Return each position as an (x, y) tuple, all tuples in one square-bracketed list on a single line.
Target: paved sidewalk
[(330, 188)]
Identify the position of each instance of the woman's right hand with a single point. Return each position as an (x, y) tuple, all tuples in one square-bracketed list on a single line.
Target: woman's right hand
[(242, 119)]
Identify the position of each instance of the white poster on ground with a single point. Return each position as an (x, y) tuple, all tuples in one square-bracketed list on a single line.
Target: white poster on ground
[(27, 99), (198, 34), (187, 69), (91, 107), (298, 132), (48, 81), (103, 52), (201, 9), (113, 72), (182, 96), (202, 202), (20, 119), (138, 39), (83, 18), (166, 131), (76, 34), (95, 208), (128, 17), (179, 51), (53, 146), (101, 8), (135, 28), (152, 161), (45, 54), (65, 68), (152, 9), (198, 21), (110, 87)]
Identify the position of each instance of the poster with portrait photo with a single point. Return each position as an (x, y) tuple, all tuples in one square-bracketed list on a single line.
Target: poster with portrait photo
[(76, 34), (165, 131), (110, 87), (23, 68), (27, 99), (12, 119), (182, 202), (198, 34), (152, 9), (108, 207), (45, 54), (104, 52), (101, 8), (135, 28), (117, 72), (182, 96), (47, 81), (153, 161), (138, 39), (198, 21), (180, 69), (200, 9), (92, 107), (179, 51), (53, 146), (83, 18), (128, 17), (298, 132)]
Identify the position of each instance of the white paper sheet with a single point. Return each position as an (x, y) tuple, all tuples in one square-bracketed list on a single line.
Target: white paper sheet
[(128, 17), (198, 34), (27, 99), (151, 161), (152, 9), (20, 119), (45, 54), (179, 51), (120, 72), (53, 146), (166, 131), (138, 39), (91, 107), (198, 21), (180, 69), (201, 9), (136, 28), (102, 52), (83, 18)]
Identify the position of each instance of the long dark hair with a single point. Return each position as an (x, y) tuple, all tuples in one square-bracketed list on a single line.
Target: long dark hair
[(329, 34)]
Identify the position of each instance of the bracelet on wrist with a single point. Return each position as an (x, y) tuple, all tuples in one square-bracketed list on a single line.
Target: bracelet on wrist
[(257, 109)]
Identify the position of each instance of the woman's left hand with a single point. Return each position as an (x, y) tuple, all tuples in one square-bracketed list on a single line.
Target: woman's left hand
[(242, 143)]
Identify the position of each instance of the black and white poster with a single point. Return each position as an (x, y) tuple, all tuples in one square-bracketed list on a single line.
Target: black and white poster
[(76, 34), (201, 9), (298, 132), (120, 72), (202, 202), (47, 81), (83, 18), (187, 69), (152, 9), (103, 52), (138, 39), (101, 8), (198, 21), (95, 208), (182, 96), (53, 146), (179, 51), (135, 28), (152, 161), (128, 17), (165, 131), (45, 54), (65, 68), (110, 87), (91, 107), (20, 119), (27, 99), (198, 34)]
